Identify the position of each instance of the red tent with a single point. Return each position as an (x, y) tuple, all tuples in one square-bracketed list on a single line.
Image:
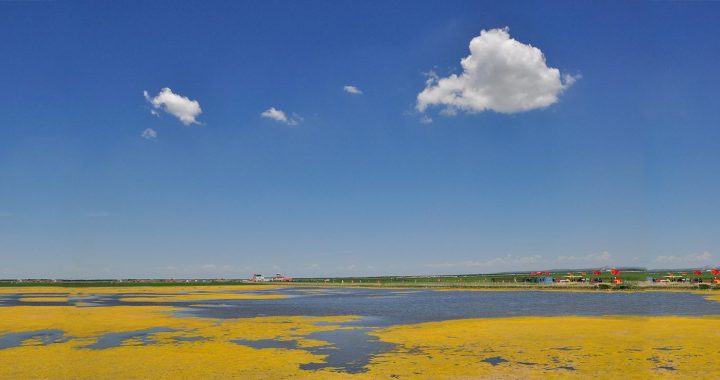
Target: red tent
[(697, 273), (614, 272)]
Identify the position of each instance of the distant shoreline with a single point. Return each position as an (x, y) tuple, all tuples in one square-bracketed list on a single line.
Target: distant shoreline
[(626, 286), (606, 279)]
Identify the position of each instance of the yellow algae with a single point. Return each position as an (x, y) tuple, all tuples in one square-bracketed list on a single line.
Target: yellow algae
[(203, 297), (194, 347), (135, 289), (553, 347), (189, 360), (215, 356), (89, 322), (523, 347)]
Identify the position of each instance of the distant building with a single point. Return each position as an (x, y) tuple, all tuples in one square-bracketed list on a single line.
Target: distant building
[(280, 278), (257, 278)]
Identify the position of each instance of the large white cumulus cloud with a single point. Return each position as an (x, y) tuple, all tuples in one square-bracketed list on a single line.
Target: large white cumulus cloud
[(501, 74), (177, 105)]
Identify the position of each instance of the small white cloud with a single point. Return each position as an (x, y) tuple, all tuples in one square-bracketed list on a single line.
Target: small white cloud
[(280, 116), (501, 74), (177, 105), (352, 90), (704, 258), (569, 79), (425, 119), (149, 134), (275, 114)]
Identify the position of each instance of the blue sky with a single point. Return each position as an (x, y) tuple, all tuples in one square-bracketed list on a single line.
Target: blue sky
[(618, 167)]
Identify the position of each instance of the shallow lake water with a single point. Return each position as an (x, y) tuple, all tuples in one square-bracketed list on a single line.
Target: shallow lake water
[(384, 307), (350, 350), (351, 345)]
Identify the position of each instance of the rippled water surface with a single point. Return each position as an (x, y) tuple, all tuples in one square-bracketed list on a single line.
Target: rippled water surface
[(382, 307)]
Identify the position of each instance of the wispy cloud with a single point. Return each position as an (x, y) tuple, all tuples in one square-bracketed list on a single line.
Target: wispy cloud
[(425, 119), (501, 74), (504, 262), (704, 258), (352, 90), (149, 134), (182, 107), (517, 262), (280, 116), (207, 269), (592, 258)]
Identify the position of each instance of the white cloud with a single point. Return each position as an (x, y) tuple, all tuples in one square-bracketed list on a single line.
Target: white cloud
[(425, 119), (592, 258), (352, 90), (704, 258), (501, 74), (275, 114), (149, 134), (280, 116), (177, 105)]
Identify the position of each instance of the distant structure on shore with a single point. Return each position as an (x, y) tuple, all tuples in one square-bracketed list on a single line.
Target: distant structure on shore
[(277, 278)]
